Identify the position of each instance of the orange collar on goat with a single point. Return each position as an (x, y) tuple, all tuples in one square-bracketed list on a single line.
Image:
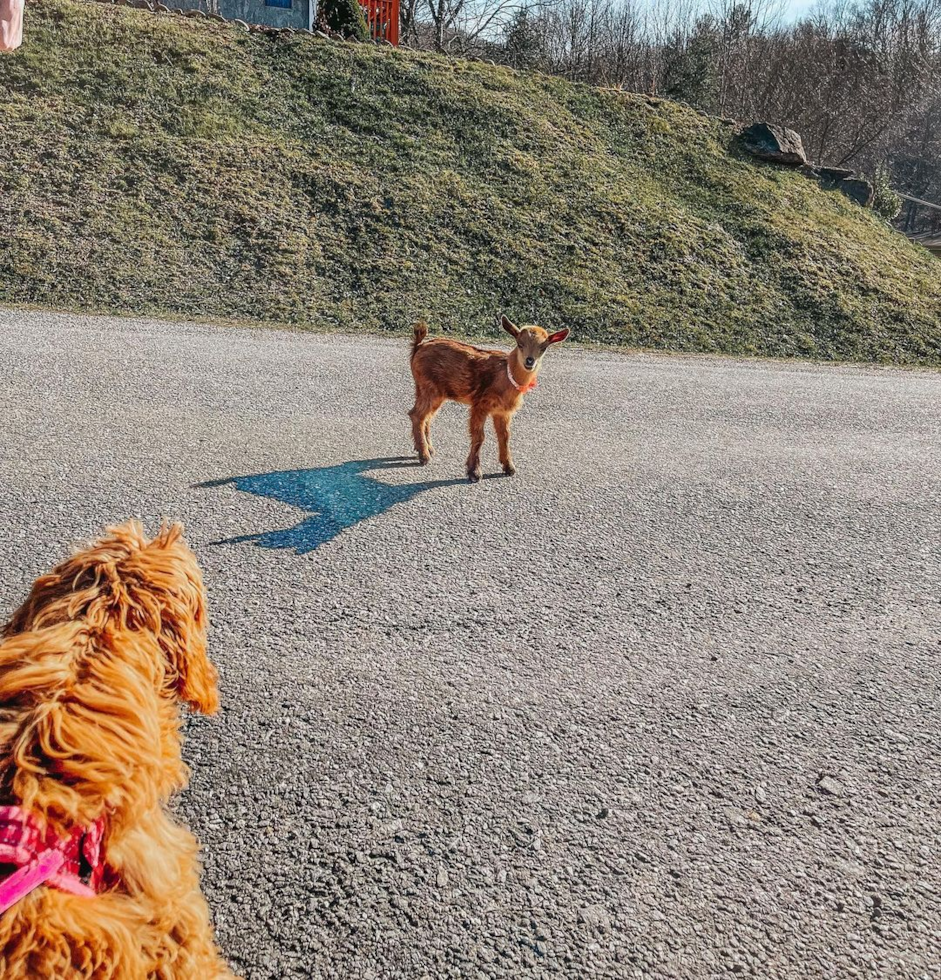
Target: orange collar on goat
[(520, 388)]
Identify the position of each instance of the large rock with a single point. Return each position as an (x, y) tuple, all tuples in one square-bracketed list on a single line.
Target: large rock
[(774, 143), (858, 190), (837, 178)]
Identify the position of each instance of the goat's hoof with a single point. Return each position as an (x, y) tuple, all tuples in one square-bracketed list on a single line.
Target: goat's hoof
[(474, 475), (509, 469)]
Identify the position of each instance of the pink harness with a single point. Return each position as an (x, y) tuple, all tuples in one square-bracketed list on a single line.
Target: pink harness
[(41, 856)]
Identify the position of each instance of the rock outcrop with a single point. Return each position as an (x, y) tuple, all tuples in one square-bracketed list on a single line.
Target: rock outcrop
[(774, 143)]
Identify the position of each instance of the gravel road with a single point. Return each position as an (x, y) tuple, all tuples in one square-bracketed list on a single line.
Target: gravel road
[(665, 705)]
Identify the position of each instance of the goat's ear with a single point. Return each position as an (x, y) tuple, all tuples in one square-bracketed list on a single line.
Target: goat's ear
[(508, 325), (558, 337)]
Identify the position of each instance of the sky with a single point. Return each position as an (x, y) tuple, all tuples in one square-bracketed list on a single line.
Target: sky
[(795, 8)]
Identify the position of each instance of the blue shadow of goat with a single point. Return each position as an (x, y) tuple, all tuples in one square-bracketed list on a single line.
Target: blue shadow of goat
[(336, 496)]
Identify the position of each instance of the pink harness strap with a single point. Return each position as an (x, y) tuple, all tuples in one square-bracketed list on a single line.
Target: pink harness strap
[(41, 856), (29, 877)]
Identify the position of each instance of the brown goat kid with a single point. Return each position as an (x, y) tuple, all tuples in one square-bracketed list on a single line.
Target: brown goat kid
[(491, 382)]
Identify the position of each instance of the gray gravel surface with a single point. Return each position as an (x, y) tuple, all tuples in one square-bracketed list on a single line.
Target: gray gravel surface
[(664, 705)]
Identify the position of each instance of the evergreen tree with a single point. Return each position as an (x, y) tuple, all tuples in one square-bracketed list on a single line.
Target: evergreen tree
[(691, 66), (885, 202), (343, 16), (523, 43)]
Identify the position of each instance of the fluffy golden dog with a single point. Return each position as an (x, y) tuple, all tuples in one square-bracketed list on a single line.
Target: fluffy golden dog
[(93, 668)]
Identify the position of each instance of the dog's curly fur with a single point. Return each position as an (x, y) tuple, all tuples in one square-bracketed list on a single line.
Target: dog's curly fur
[(93, 667)]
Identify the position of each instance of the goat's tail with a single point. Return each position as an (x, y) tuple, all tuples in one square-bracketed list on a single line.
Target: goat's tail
[(420, 333)]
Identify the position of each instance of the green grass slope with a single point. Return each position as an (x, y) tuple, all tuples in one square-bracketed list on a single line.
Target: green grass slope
[(153, 164)]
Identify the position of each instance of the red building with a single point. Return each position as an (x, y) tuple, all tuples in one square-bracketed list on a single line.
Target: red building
[(383, 19)]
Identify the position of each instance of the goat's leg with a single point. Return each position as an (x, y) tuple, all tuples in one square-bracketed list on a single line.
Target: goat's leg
[(433, 411), (502, 424), (418, 415), (478, 419)]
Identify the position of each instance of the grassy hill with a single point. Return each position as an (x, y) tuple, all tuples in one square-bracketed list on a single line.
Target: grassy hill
[(159, 165)]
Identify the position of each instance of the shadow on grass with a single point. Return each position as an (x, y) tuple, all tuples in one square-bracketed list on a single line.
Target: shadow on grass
[(336, 496)]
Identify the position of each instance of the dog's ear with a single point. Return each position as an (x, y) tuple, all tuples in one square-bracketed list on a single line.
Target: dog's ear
[(185, 623), (167, 582), (558, 336), (509, 326)]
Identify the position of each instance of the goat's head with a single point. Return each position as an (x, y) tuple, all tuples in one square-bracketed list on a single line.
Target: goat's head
[(531, 342)]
